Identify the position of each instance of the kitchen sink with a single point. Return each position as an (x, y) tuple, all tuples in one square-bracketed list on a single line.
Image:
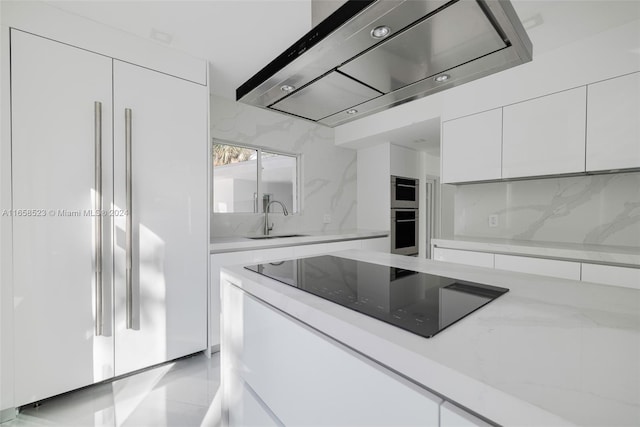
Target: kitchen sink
[(280, 236)]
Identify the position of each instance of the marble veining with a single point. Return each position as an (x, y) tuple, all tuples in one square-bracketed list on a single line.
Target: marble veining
[(328, 172), (563, 202), (552, 352), (316, 185), (347, 178), (344, 222), (626, 219), (594, 209)]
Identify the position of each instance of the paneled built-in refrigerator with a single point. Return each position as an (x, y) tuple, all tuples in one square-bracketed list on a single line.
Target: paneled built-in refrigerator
[(110, 242)]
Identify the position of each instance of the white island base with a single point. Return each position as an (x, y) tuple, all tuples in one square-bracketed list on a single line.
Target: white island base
[(550, 352)]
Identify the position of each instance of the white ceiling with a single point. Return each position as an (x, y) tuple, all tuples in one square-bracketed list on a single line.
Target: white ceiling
[(239, 37)]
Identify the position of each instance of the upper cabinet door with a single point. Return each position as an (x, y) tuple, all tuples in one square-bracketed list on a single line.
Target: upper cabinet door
[(471, 147), (613, 130), (54, 88), (545, 136), (169, 248)]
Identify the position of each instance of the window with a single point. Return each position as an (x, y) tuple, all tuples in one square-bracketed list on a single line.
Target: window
[(246, 178)]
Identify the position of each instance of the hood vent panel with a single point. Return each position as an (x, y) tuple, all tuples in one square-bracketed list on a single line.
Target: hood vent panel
[(348, 69), (333, 92), (429, 48)]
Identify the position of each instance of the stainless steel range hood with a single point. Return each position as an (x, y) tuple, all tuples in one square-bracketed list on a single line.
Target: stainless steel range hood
[(339, 72)]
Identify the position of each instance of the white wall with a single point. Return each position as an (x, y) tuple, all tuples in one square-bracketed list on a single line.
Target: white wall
[(328, 172), (430, 169), (604, 55), (446, 200), (431, 164), (405, 162), (374, 187)]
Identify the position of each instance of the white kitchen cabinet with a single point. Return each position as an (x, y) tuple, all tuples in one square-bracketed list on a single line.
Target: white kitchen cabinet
[(305, 378), (246, 409), (170, 243), (611, 275), (479, 259), (541, 266), (58, 243), (381, 244), (613, 123), (472, 148), (452, 416), (545, 136), (54, 88)]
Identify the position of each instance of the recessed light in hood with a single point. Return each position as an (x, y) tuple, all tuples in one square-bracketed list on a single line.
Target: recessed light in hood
[(339, 66), (380, 32)]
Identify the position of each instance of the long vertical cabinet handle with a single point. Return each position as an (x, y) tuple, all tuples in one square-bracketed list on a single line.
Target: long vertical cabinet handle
[(129, 226), (97, 108)]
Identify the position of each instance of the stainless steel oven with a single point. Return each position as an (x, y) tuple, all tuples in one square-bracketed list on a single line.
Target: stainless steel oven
[(404, 231), (404, 192)]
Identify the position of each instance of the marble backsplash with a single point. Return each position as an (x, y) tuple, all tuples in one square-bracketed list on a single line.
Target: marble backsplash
[(328, 172), (593, 209)]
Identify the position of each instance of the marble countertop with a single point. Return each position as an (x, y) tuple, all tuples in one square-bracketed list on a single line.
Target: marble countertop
[(244, 243), (615, 255), (549, 352)]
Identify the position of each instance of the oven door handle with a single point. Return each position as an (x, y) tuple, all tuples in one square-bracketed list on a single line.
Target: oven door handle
[(405, 220)]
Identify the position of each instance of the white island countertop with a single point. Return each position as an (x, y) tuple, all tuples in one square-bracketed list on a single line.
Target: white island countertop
[(549, 352), (245, 243), (613, 255)]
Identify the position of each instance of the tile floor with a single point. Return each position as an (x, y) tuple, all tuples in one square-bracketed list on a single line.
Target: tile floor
[(181, 393)]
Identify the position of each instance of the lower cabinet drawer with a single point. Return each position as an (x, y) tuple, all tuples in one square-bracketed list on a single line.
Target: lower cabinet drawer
[(478, 259), (611, 275), (305, 378), (452, 416), (541, 266)]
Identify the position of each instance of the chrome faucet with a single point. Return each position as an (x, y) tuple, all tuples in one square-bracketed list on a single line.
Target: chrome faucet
[(268, 228)]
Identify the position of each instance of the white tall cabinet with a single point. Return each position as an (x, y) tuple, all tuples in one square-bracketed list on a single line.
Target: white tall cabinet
[(169, 207), (54, 90), (76, 319)]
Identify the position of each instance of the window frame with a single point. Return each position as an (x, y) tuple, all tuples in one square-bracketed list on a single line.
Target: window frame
[(259, 185)]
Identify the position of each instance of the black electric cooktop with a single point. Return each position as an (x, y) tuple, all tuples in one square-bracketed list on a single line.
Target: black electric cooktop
[(424, 304)]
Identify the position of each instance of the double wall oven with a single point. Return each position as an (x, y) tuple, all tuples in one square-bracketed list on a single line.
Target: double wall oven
[(404, 215)]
